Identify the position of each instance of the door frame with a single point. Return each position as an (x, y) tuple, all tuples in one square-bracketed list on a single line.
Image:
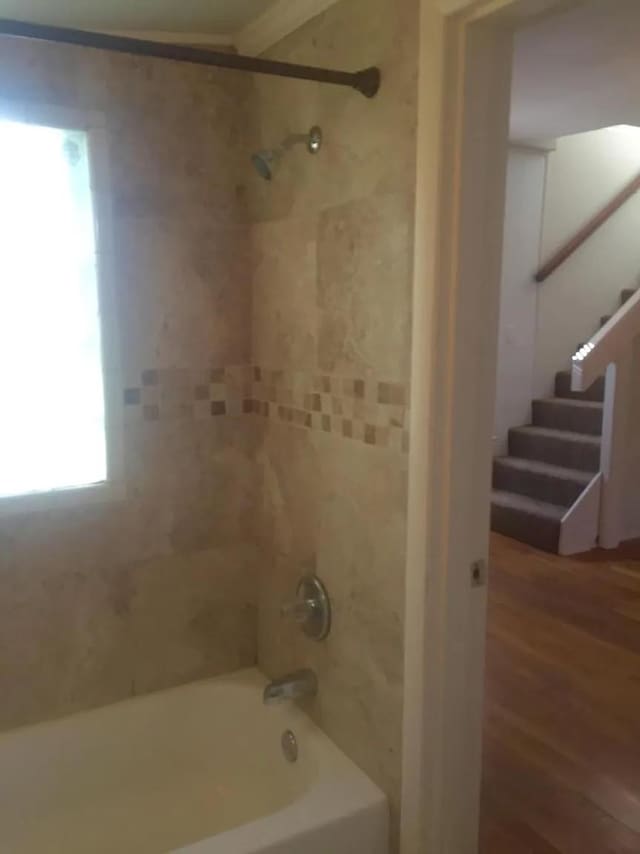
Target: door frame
[(464, 88)]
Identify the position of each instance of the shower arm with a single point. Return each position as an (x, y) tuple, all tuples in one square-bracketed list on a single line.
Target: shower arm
[(366, 82), (294, 139)]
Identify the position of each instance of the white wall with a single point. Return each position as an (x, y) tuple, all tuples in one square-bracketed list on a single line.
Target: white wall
[(631, 524), (526, 170), (584, 173)]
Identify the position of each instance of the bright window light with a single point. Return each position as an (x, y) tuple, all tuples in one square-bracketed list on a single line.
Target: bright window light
[(52, 414)]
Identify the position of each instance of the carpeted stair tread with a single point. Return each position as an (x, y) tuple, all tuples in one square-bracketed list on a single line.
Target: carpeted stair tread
[(547, 482), (528, 505), (552, 433), (527, 519), (563, 413), (559, 447), (582, 477), (572, 401)]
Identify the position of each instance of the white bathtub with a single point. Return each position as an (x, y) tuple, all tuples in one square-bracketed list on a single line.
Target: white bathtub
[(196, 770)]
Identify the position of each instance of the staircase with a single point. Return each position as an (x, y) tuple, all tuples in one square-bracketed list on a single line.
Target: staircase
[(551, 462)]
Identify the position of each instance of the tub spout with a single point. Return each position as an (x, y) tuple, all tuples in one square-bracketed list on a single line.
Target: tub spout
[(302, 683)]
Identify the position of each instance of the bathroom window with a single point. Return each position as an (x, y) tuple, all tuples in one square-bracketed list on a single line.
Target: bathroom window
[(53, 426)]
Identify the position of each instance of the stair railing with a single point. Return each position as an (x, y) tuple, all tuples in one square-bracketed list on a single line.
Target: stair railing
[(609, 352), (596, 222)]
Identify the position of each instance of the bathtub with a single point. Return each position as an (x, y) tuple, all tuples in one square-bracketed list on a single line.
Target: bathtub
[(197, 770)]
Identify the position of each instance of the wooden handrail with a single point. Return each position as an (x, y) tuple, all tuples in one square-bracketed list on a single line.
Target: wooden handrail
[(587, 230)]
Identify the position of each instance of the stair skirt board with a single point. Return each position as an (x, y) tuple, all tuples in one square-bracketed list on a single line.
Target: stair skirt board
[(579, 527)]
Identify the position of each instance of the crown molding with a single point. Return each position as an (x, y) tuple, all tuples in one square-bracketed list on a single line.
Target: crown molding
[(280, 19)]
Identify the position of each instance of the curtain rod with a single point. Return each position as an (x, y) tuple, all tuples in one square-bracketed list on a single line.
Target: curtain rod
[(367, 81)]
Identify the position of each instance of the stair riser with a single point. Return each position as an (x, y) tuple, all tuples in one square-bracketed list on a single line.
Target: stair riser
[(558, 451), (554, 490), (559, 417), (563, 389), (536, 531)]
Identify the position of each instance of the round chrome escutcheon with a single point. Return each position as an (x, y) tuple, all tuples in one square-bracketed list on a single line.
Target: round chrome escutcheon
[(289, 746), (318, 623)]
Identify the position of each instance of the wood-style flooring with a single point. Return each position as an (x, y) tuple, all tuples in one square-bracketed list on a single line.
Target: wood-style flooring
[(562, 709)]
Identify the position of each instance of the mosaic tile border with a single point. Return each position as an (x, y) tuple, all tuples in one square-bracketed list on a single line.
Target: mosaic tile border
[(180, 393), (368, 410), (361, 409)]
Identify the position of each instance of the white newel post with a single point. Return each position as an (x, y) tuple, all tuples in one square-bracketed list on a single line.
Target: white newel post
[(616, 413)]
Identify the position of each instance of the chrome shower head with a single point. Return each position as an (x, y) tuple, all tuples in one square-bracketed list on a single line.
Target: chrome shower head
[(266, 161)]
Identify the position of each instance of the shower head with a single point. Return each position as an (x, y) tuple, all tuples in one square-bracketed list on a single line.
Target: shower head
[(266, 161)]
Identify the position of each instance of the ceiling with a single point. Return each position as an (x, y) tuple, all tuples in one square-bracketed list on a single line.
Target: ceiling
[(577, 71), (212, 17)]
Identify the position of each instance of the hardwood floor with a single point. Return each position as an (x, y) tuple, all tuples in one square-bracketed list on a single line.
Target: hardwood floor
[(562, 710)]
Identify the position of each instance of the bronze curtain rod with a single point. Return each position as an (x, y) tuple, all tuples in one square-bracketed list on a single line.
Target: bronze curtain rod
[(367, 81)]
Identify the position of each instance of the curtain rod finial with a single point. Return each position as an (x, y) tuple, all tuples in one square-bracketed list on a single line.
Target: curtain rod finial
[(368, 81)]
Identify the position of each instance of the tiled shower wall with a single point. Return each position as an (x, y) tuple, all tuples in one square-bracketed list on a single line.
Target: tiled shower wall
[(265, 331), (108, 600), (332, 243)]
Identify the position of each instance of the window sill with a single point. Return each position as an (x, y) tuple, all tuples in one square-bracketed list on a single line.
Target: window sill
[(78, 496)]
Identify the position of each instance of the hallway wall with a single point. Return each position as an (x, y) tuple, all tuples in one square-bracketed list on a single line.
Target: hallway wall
[(526, 173), (585, 172)]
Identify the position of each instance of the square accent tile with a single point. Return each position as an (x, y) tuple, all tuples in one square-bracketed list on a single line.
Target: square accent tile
[(150, 377)]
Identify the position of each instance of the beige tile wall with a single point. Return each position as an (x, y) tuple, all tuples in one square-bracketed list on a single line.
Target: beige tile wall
[(291, 300), (332, 281), (105, 601)]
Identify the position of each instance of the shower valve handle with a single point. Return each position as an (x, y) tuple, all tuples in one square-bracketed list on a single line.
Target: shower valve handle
[(300, 610), (311, 609)]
